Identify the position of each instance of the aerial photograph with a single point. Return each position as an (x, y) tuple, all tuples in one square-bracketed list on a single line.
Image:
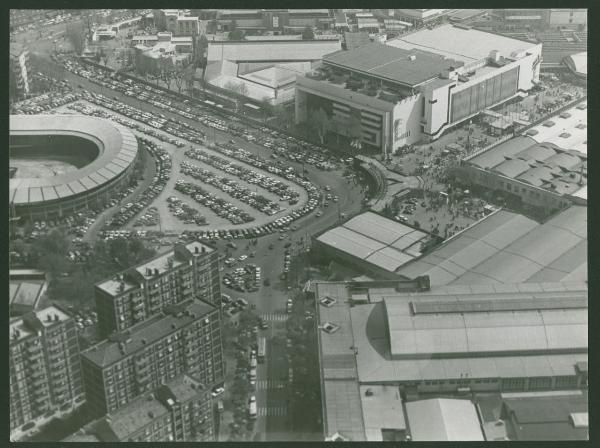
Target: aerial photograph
[(298, 225)]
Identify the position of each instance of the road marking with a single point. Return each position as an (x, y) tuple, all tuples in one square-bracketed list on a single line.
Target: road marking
[(272, 411), (274, 317), (271, 384)]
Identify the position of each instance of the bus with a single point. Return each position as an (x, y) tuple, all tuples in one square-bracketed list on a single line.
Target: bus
[(262, 349)]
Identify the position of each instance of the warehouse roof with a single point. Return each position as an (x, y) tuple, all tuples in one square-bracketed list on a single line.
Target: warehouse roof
[(509, 248), (410, 67), (377, 240), (382, 409), (293, 50), (117, 149), (462, 44), (144, 334), (443, 419)]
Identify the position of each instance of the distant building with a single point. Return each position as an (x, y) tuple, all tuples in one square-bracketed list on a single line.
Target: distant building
[(178, 411), (568, 17), (281, 20), (178, 22), (19, 70), (184, 339), (416, 86), (419, 17), (44, 366), (544, 168), (187, 272)]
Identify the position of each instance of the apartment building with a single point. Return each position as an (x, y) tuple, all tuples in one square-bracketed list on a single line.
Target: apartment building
[(44, 366), (184, 339), (187, 272)]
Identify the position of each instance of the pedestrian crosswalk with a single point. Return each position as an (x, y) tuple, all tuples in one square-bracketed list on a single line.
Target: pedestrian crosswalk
[(274, 317), (272, 411), (271, 384)]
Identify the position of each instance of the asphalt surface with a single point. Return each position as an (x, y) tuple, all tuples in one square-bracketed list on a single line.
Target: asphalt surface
[(272, 423)]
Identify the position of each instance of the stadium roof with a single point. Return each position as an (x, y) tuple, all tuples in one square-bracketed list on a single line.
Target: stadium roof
[(272, 51), (117, 150), (462, 44), (509, 248), (443, 419), (377, 240), (144, 334), (409, 67)]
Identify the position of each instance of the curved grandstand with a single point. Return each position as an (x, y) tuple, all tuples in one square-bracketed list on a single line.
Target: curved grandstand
[(101, 156)]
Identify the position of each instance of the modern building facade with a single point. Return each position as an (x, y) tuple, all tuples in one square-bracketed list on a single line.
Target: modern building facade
[(418, 85), (187, 272), (184, 339), (44, 366)]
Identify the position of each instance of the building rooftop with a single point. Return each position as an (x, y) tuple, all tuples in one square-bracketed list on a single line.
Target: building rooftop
[(408, 67), (466, 45), (117, 150), (271, 51), (363, 328), (377, 240), (578, 63), (145, 333), (506, 247), (26, 293), (547, 418), (382, 410), (136, 415), (443, 419)]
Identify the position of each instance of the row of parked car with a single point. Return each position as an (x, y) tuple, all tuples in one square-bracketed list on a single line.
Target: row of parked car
[(219, 206), (251, 176), (160, 179), (232, 188), (185, 212)]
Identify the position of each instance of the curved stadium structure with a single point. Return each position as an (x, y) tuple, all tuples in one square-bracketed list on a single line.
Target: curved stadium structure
[(100, 153)]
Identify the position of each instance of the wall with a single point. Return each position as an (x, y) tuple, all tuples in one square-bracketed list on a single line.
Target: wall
[(406, 125)]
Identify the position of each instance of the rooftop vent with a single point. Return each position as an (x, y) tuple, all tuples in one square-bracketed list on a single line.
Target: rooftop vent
[(148, 271), (56, 318), (144, 340), (151, 414), (327, 301), (48, 317), (195, 249), (150, 397), (173, 326), (155, 271), (330, 327), (412, 57)]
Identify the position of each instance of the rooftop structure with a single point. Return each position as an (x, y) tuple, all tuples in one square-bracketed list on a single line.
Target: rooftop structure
[(404, 66), (506, 247), (271, 51), (556, 417), (461, 43), (377, 241), (577, 63), (443, 420)]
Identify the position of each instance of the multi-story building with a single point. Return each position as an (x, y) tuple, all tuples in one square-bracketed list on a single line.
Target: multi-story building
[(178, 22), (19, 69), (184, 339), (283, 20), (417, 86), (178, 411), (419, 17), (44, 366), (187, 272)]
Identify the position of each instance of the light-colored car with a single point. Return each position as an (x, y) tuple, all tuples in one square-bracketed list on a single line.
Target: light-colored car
[(218, 391)]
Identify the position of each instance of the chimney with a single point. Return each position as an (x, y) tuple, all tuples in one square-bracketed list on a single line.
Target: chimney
[(203, 249), (155, 271), (143, 340), (195, 249), (56, 318), (170, 262), (412, 57), (148, 271), (49, 318), (495, 55)]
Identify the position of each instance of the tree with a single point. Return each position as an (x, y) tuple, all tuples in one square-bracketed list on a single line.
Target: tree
[(166, 71), (308, 34), (319, 123), (75, 34), (178, 77)]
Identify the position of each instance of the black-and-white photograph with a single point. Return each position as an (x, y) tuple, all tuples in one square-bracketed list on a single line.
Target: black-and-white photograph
[(298, 225)]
